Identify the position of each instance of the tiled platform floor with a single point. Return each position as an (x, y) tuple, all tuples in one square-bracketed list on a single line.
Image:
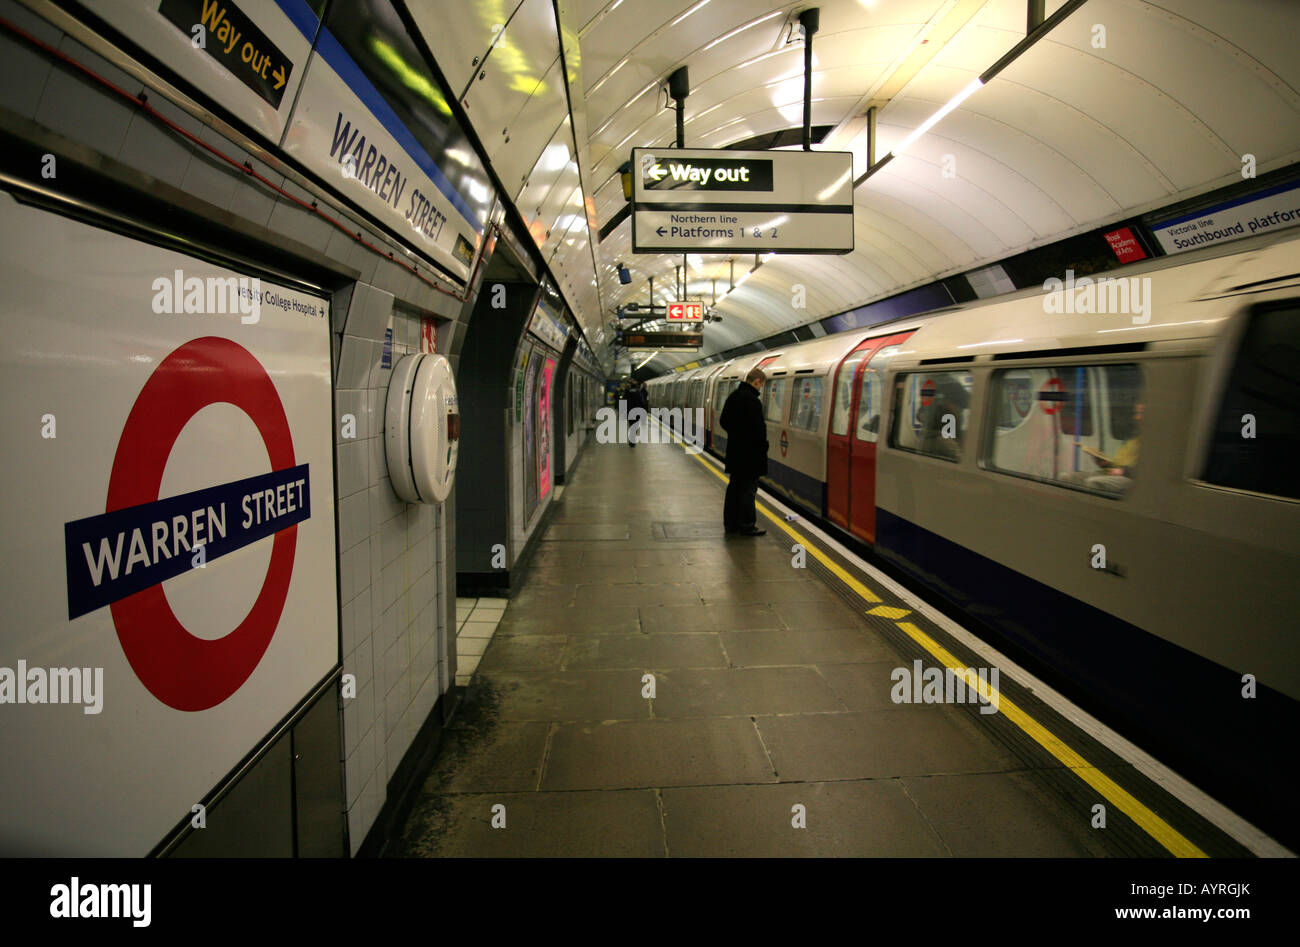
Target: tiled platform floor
[(769, 693), (476, 622)]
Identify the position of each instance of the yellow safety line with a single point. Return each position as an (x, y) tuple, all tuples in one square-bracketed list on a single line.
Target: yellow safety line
[(1116, 795)]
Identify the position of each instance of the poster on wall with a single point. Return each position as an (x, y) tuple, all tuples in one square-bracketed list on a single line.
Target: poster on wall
[(167, 533), (531, 493), (519, 383), (544, 430)]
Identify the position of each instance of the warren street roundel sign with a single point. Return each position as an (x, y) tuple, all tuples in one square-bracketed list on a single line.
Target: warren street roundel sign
[(121, 557)]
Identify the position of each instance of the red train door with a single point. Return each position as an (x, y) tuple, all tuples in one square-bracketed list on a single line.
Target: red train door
[(838, 449), (868, 401)]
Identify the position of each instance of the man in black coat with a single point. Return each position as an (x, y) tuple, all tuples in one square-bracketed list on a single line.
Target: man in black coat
[(637, 397), (742, 419)]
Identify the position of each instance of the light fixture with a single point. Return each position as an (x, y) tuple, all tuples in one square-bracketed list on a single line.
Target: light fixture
[(934, 119), (624, 276), (740, 29)]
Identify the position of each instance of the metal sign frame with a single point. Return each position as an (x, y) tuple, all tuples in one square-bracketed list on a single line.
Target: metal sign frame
[(743, 198)]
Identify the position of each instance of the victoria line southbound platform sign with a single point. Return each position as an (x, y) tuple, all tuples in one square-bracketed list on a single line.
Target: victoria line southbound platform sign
[(720, 201)]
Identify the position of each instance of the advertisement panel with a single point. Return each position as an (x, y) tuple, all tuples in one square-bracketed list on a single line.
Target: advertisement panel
[(531, 493), (167, 529), (544, 429)]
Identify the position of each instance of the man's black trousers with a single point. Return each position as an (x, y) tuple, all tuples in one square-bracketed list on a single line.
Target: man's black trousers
[(738, 508)]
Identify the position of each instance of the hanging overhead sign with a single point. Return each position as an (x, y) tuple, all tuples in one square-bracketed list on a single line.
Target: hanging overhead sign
[(719, 201), (691, 311)]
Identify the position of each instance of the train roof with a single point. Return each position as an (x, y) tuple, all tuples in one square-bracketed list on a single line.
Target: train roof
[(1165, 300), (1157, 307)]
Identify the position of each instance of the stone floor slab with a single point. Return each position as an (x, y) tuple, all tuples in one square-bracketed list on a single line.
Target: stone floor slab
[(926, 741), (720, 750), (860, 819), (537, 825), (524, 653), (742, 691), (827, 646), (645, 652), (1001, 815), (567, 695)]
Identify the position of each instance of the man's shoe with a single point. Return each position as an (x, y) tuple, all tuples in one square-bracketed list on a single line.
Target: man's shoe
[(752, 531)]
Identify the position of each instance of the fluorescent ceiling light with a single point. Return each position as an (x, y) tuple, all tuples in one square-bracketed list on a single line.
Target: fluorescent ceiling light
[(607, 76), (758, 59), (934, 119), (646, 359), (701, 4), (740, 29)]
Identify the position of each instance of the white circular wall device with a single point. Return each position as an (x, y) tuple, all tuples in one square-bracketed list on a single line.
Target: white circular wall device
[(422, 428)]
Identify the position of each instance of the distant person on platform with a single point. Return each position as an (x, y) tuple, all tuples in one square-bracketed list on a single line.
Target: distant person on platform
[(742, 419), (637, 397)]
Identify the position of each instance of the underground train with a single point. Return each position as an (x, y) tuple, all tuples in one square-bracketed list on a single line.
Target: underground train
[(1101, 472)]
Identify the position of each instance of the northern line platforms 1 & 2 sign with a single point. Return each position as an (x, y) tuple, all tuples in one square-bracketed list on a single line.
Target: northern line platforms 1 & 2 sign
[(720, 201)]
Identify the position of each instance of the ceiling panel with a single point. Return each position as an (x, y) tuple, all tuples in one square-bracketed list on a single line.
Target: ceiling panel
[(1068, 137)]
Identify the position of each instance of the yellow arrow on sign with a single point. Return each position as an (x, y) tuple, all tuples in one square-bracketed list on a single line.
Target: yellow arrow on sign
[(279, 76)]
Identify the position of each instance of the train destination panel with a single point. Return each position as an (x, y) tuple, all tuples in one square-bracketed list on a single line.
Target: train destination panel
[(662, 340), (719, 201)]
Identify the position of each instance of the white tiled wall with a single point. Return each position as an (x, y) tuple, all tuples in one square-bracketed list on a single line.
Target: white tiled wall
[(389, 573), (389, 586)]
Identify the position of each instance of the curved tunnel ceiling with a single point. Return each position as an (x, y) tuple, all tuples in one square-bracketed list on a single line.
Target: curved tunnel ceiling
[(1071, 136)]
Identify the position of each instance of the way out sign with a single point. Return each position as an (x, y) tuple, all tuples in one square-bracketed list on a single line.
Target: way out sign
[(686, 312), (232, 38), (696, 200)]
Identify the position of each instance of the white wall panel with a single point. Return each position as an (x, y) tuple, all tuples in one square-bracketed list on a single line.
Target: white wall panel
[(459, 43)]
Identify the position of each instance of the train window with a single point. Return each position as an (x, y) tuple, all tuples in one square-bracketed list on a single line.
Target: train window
[(774, 399), (844, 393), (1014, 398), (806, 412), (1256, 436), (1076, 402), (869, 396), (1047, 429), (931, 413), (724, 388)]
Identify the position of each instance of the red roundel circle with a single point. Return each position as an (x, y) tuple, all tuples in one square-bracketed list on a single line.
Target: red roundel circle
[(1052, 395), (785, 443), (928, 389), (182, 671)]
